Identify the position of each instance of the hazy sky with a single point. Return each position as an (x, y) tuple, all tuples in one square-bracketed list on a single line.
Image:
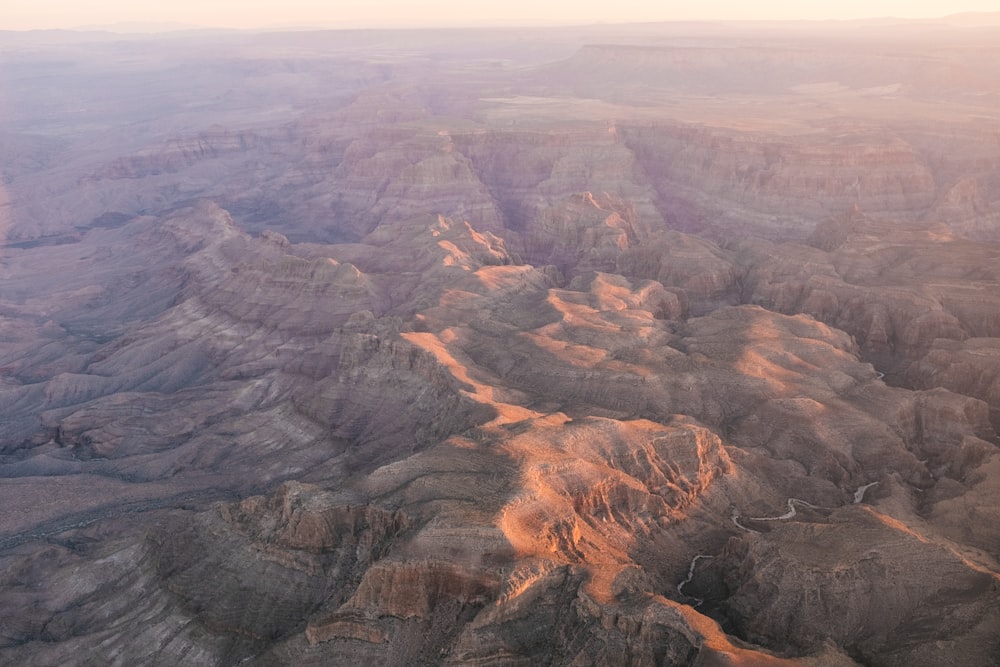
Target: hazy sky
[(28, 14)]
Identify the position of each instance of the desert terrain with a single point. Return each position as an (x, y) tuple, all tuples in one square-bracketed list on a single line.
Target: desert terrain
[(653, 344)]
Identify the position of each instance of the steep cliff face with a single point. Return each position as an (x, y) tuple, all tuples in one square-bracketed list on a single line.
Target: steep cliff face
[(717, 180), (178, 154), (966, 366), (292, 552), (798, 591), (911, 299), (970, 208)]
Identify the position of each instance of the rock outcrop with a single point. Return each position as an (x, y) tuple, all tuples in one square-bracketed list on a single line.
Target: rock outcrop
[(797, 592)]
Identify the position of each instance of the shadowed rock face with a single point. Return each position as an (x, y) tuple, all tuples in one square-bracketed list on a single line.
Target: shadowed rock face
[(417, 352)]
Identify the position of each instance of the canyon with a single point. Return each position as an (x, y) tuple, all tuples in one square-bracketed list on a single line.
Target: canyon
[(665, 344)]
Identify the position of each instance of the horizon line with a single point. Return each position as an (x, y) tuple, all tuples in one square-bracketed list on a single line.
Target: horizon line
[(167, 27)]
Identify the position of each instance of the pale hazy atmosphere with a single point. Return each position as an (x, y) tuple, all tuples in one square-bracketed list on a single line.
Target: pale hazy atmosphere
[(582, 334), (46, 14)]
